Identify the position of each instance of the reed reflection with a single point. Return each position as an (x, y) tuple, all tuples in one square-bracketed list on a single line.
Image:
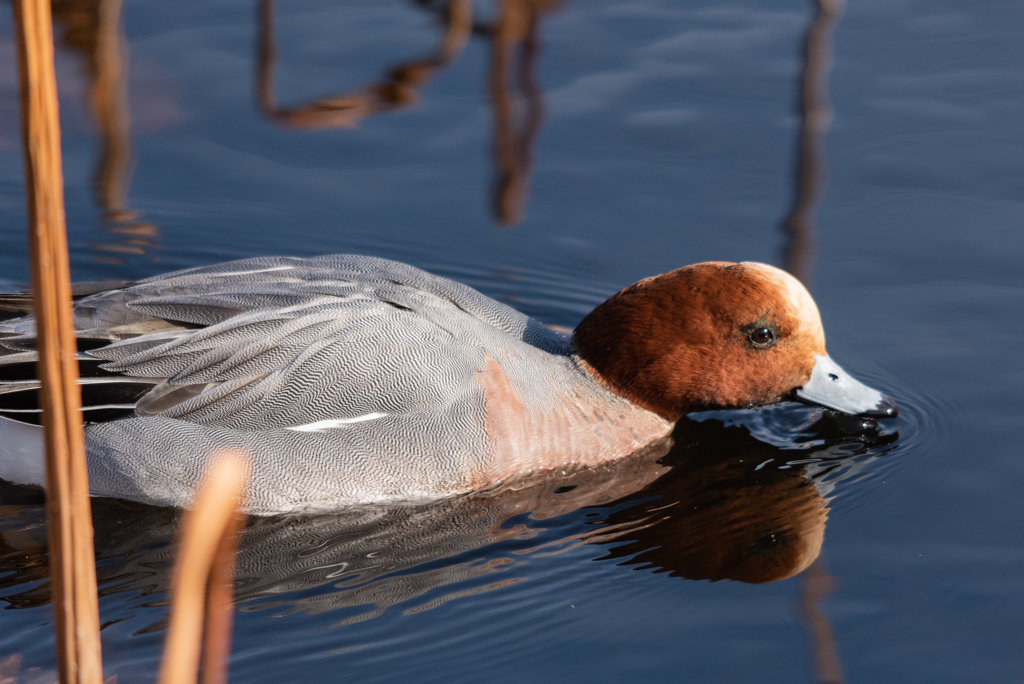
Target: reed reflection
[(516, 98), (396, 91), (798, 257), (94, 29), (815, 118), (517, 116), (696, 505)]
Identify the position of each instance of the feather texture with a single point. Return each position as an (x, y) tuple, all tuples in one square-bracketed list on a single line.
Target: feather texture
[(250, 354)]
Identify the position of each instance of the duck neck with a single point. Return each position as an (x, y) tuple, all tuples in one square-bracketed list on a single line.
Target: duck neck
[(623, 346)]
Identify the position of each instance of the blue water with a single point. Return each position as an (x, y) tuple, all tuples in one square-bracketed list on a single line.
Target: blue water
[(666, 133)]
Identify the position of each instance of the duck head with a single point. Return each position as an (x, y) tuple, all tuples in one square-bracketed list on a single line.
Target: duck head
[(718, 335)]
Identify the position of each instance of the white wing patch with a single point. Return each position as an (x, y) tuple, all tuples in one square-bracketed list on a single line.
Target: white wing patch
[(227, 274), (337, 422)]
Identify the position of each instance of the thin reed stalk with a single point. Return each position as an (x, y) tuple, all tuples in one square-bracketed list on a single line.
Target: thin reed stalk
[(72, 562), (202, 585)]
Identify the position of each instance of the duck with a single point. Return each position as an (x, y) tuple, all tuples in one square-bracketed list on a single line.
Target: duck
[(352, 379)]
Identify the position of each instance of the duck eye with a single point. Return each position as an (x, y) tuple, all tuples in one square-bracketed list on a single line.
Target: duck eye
[(762, 337)]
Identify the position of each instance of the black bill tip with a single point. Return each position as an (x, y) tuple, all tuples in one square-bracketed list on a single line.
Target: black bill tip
[(886, 408)]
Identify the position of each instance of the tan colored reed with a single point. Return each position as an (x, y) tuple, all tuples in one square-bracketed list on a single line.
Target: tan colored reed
[(72, 562), (203, 578), (205, 569)]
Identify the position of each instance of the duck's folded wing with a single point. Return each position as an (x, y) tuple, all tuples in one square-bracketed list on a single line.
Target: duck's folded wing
[(297, 367), (345, 378), (212, 294), (279, 342), (336, 400)]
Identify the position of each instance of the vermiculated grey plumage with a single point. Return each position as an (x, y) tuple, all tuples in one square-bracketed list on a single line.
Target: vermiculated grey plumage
[(346, 378)]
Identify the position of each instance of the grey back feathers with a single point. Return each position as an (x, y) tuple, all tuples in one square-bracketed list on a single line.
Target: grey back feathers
[(346, 378)]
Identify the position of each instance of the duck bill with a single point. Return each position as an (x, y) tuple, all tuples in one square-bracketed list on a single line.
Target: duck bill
[(832, 387)]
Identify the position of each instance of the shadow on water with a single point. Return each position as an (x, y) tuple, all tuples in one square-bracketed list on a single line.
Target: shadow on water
[(516, 98), (712, 502)]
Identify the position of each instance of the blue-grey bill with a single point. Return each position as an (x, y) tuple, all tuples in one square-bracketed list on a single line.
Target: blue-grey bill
[(832, 387)]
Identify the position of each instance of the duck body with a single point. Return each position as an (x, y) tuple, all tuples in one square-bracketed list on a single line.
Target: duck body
[(352, 379), (346, 379)]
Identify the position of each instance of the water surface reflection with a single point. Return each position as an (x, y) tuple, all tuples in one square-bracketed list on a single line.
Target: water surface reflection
[(94, 30), (712, 502), (396, 90), (515, 96)]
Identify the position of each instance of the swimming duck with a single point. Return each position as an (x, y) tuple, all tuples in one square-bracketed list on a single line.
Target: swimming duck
[(352, 379)]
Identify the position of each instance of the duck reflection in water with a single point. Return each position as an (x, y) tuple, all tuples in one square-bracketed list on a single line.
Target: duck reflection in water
[(710, 502)]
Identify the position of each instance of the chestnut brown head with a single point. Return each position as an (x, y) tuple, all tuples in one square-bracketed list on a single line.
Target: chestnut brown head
[(715, 334)]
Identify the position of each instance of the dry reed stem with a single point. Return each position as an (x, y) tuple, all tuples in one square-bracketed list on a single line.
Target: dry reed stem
[(70, 531), (219, 602), (203, 576)]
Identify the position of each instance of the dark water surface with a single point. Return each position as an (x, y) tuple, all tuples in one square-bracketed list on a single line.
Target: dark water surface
[(566, 151)]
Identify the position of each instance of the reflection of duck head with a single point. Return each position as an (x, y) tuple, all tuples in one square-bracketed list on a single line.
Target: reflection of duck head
[(701, 509), (719, 516), (717, 503)]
